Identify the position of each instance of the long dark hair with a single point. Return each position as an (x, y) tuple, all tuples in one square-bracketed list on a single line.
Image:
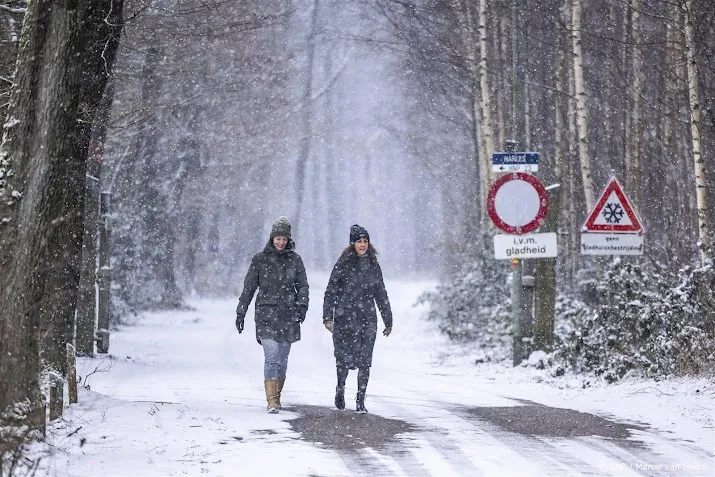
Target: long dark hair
[(350, 254)]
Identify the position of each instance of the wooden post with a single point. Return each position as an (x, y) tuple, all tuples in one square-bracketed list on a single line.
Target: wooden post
[(57, 399), (71, 373), (545, 286)]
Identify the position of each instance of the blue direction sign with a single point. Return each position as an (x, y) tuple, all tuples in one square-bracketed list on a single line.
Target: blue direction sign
[(515, 162)]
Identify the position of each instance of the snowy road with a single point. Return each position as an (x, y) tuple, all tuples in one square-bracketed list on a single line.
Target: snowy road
[(183, 395)]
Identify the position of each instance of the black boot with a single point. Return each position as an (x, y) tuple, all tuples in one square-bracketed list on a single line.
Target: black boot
[(360, 403), (340, 397)]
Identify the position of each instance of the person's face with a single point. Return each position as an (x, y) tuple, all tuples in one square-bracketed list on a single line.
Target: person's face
[(361, 247), (280, 242)]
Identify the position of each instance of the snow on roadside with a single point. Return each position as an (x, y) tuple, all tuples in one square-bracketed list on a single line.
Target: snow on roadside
[(681, 406)]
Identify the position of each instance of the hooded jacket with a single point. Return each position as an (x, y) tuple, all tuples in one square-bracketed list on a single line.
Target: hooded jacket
[(282, 301)]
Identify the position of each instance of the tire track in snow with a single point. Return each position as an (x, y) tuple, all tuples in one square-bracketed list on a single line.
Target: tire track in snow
[(509, 452), (547, 452)]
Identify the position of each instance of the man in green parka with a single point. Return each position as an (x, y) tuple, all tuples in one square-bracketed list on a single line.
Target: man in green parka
[(281, 305)]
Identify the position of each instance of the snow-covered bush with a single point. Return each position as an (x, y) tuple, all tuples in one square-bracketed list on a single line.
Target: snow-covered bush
[(694, 297), (475, 304), (645, 320), (16, 437), (632, 318)]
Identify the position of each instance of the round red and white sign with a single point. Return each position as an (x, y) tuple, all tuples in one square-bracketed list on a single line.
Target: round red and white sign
[(517, 203)]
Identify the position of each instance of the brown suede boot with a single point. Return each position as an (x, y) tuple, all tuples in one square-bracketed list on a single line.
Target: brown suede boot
[(281, 382), (271, 386)]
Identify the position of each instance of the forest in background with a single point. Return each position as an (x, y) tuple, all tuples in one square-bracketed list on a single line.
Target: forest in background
[(599, 89), (206, 120)]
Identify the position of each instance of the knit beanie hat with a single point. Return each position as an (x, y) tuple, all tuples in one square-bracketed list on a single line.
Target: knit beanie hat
[(281, 228), (357, 232)]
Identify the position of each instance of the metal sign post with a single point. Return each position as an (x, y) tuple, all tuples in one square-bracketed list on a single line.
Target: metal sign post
[(517, 204), (517, 312)]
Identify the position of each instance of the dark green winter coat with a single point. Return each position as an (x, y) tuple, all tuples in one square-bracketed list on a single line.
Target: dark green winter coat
[(282, 301), (354, 287)]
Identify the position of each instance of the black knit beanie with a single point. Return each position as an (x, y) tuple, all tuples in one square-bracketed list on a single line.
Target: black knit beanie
[(281, 228), (357, 232)]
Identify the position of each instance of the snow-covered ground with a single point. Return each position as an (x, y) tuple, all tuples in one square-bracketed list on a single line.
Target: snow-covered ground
[(181, 393)]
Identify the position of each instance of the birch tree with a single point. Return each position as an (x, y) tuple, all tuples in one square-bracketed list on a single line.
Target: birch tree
[(307, 116), (608, 106), (581, 106), (486, 108), (695, 128), (634, 166)]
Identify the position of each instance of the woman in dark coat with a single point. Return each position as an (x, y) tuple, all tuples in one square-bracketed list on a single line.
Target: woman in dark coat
[(354, 287), (282, 303)]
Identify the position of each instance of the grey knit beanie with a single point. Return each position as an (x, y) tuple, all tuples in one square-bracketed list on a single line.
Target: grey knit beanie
[(357, 232), (281, 228)]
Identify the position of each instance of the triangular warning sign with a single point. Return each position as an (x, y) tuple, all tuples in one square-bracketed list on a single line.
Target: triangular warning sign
[(613, 212)]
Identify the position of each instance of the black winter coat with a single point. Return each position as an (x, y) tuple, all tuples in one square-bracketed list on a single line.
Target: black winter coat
[(354, 287), (282, 301)]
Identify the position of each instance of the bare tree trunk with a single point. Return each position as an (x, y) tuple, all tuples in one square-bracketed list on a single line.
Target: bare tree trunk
[(581, 106), (334, 195), (499, 38), (159, 290), (19, 328), (571, 165), (625, 98), (610, 75), (545, 284), (87, 297), (698, 160), (487, 131), (100, 26), (527, 90), (132, 187), (188, 152), (465, 19), (634, 167), (45, 146), (673, 169), (306, 140)]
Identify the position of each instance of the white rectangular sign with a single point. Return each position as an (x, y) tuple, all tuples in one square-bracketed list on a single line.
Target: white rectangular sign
[(507, 247), (612, 244)]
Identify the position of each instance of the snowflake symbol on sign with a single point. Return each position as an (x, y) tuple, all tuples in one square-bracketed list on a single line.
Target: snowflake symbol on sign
[(613, 213)]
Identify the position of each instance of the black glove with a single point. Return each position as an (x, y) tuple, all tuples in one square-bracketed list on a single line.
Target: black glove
[(302, 312), (239, 323)]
